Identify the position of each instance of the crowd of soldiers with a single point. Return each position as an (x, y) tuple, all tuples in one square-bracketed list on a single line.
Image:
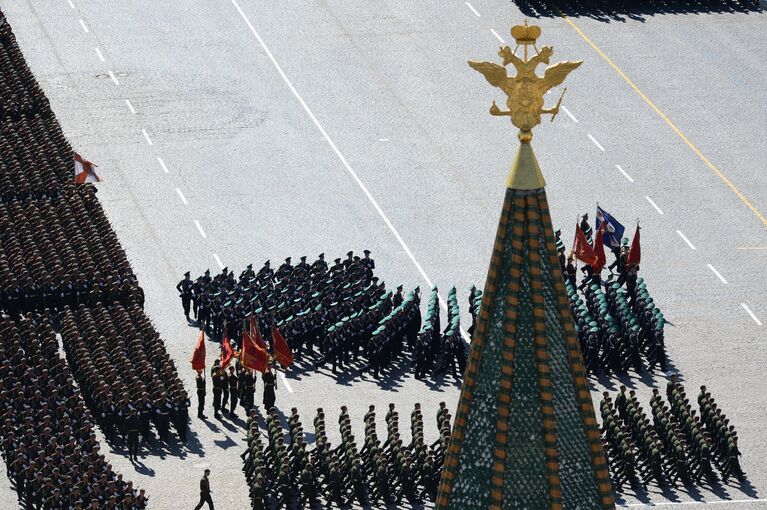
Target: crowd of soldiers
[(287, 473), (234, 386), (677, 445), (335, 315), (619, 327), (52, 456)]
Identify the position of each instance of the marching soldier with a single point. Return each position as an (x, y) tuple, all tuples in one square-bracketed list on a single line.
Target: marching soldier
[(201, 395), (184, 289)]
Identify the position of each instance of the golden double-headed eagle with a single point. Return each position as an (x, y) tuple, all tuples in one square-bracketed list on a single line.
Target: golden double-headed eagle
[(526, 89)]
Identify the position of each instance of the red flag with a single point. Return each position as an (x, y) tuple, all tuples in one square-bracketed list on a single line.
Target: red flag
[(255, 334), (252, 356), (582, 249), (282, 352), (84, 171), (227, 353), (599, 250), (635, 252), (198, 356)]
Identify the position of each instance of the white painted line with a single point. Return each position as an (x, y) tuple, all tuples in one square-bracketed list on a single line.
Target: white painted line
[(654, 205), (627, 176), (684, 238), (130, 107), (748, 310), (114, 78), (497, 36), (162, 164), (472, 8), (569, 114), (181, 196), (596, 143), (98, 52), (717, 273), (82, 24), (199, 228), (340, 156), (148, 140), (218, 261), (285, 382), (72, 5), (701, 503), (383, 139)]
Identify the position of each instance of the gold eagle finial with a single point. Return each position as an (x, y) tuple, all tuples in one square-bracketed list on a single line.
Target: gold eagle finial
[(526, 89)]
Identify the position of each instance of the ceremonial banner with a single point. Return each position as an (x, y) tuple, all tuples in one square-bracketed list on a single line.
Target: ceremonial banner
[(198, 356), (582, 249), (635, 252), (252, 356), (227, 353), (282, 352), (255, 334), (84, 171), (599, 250), (614, 229)]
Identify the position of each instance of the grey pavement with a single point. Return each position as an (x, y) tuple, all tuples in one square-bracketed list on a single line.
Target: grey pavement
[(388, 83)]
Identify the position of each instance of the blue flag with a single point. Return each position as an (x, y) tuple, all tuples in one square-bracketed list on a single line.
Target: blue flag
[(613, 231)]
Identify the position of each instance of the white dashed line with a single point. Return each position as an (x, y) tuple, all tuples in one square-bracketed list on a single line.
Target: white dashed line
[(146, 136), (285, 382), (717, 273), (218, 261), (98, 52), (71, 4), (748, 310), (627, 176), (688, 503), (383, 139), (82, 24), (472, 8), (684, 238), (181, 196), (199, 228), (653, 204), (599, 145), (130, 107), (162, 164), (570, 114), (114, 78), (497, 36)]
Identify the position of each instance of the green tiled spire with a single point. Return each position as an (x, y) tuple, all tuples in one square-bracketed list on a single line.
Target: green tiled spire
[(525, 433)]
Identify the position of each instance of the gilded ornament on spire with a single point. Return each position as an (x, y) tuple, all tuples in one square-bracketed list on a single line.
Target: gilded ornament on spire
[(526, 89)]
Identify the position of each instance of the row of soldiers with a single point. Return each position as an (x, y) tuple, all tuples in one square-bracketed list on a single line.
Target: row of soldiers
[(233, 386), (677, 445), (335, 315), (284, 472), (436, 350), (49, 444)]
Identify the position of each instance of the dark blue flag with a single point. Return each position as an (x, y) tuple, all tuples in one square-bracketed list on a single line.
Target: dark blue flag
[(613, 229)]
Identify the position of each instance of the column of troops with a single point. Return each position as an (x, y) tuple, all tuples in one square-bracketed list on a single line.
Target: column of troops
[(340, 316), (49, 445), (290, 474), (678, 444)]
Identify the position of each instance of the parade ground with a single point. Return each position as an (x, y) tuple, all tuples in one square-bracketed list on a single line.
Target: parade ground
[(229, 132)]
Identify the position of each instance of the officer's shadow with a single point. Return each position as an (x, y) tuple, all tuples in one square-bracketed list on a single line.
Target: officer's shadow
[(142, 468)]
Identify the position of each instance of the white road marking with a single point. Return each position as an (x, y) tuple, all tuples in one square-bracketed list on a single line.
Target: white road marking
[(717, 273), (751, 248), (684, 238), (627, 176), (285, 382), (218, 261), (472, 8), (114, 78), (72, 5), (130, 107), (712, 502), (199, 228), (181, 196), (497, 36), (98, 52), (383, 139), (653, 204), (82, 24), (148, 140), (595, 142), (162, 164), (748, 310), (568, 113)]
